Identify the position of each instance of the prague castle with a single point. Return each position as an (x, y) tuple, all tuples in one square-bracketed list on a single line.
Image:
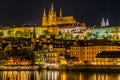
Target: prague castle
[(63, 27), (53, 19)]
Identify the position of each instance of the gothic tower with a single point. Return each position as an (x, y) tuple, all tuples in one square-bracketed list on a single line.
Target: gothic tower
[(107, 22), (103, 22), (51, 16), (44, 18), (60, 12), (52, 19)]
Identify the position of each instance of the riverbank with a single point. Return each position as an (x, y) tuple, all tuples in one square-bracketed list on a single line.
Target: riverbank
[(92, 68), (84, 68)]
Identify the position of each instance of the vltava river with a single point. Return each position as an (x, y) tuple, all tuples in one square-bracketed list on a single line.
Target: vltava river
[(56, 75)]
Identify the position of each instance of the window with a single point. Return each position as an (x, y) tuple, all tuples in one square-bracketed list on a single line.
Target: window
[(106, 47)]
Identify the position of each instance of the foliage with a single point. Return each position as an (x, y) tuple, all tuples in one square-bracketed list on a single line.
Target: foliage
[(1, 34), (27, 33), (19, 34), (47, 34), (23, 53), (10, 32), (2, 55), (77, 37)]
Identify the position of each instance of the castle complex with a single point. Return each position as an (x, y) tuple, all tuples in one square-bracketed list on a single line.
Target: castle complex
[(52, 18), (62, 39)]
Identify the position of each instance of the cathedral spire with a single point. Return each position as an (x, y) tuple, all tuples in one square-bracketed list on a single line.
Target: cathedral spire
[(52, 8), (60, 12), (44, 18), (44, 13), (103, 22), (107, 22)]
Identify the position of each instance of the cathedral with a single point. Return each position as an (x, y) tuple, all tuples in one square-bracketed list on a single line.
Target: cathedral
[(53, 19)]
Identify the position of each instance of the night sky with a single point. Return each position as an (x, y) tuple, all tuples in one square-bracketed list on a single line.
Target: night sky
[(31, 11)]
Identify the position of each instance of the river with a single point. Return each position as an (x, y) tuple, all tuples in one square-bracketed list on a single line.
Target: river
[(56, 75)]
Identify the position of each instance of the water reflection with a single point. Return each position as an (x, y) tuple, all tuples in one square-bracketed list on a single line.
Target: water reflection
[(15, 75), (56, 75)]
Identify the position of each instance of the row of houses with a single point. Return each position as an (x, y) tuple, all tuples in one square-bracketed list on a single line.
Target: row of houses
[(54, 51), (82, 50)]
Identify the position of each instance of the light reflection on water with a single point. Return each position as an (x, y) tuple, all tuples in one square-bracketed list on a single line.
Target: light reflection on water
[(56, 75)]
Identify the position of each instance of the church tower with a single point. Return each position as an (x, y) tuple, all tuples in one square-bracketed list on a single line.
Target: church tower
[(52, 19), (103, 22), (44, 19), (107, 22), (52, 16)]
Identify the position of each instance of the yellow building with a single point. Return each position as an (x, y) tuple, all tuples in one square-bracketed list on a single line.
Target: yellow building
[(52, 57), (108, 58), (86, 50), (52, 18)]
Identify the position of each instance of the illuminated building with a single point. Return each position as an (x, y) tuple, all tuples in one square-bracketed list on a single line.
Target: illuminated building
[(103, 23), (52, 57), (86, 50), (14, 61), (39, 57), (52, 18), (59, 46), (108, 58), (107, 22)]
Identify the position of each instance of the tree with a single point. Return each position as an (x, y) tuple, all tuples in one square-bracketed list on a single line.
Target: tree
[(19, 34), (10, 32), (1, 34), (2, 55), (88, 35), (106, 32), (103, 36), (31, 34), (96, 35), (27, 54), (77, 37), (47, 34), (59, 35), (27, 33), (21, 53)]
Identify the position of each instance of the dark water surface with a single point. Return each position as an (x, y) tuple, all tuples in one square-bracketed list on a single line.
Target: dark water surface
[(56, 75)]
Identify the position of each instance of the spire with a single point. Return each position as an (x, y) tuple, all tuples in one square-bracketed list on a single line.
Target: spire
[(52, 8), (107, 22), (60, 12), (44, 13), (103, 22)]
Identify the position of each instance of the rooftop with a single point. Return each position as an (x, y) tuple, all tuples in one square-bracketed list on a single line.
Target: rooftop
[(109, 54)]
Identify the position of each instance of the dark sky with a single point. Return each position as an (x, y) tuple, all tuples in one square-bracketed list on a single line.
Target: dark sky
[(88, 11)]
